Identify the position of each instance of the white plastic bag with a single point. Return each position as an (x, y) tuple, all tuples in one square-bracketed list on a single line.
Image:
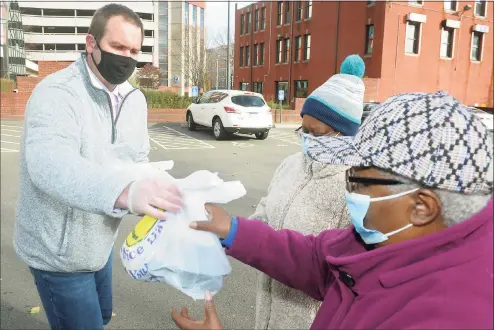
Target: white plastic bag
[(169, 251)]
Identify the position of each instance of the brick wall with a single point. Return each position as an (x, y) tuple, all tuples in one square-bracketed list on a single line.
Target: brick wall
[(48, 67)]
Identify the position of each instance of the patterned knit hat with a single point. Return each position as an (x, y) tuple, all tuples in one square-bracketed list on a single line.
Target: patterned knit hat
[(339, 101), (429, 138)]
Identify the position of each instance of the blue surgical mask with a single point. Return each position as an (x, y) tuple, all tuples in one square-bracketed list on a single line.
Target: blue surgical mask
[(358, 206)]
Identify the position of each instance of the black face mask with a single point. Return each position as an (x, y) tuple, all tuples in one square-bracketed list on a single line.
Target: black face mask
[(115, 68)]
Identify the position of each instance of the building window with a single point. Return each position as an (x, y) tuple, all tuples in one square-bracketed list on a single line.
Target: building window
[(242, 24), (241, 57), (476, 45), (278, 59), (298, 49), (309, 9), (186, 13), (195, 15), (287, 12), (244, 86), (248, 23), (280, 6), (416, 2), (300, 88), (263, 15), (258, 87), (480, 8), (256, 20), (412, 37), (262, 54), (248, 56), (255, 55), (202, 18), (286, 50), (370, 36), (299, 11), (450, 5), (447, 42), (370, 3), (307, 47)]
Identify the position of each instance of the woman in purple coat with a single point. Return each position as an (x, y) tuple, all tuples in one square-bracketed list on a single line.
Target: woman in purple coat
[(419, 253)]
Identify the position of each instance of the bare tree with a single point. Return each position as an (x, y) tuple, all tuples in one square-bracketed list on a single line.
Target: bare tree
[(149, 76), (219, 59), (190, 57)]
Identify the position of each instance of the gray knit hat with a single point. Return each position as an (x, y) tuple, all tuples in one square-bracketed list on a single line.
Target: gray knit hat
[(431, 139)]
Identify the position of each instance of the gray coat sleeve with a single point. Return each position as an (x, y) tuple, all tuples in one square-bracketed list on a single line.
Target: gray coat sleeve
[(55, 166)]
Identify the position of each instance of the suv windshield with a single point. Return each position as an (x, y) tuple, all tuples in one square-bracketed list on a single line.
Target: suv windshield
[(248, 101)]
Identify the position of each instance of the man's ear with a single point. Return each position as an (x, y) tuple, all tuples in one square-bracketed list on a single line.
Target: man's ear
[(428, 207)]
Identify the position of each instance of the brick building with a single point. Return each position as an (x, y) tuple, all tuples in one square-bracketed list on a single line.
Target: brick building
[(407, 46)]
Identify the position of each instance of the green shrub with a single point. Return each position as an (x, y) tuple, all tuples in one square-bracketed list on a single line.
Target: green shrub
[(6, 85), (275, 105), (166, 99)]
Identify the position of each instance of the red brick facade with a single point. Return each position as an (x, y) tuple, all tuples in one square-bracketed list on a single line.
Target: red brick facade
[(338, 29)]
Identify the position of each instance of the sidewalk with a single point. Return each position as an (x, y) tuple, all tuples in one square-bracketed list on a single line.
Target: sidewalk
[(286, 125)]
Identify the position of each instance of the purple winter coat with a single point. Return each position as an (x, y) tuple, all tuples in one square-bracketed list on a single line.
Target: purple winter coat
[(439, 281)]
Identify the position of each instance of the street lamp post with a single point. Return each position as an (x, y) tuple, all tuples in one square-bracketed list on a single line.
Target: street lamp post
[(228, 45), (217, 74)]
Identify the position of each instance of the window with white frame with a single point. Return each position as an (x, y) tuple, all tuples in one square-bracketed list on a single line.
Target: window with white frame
[(480, 8), (450, 5), (278, 59), (416, 2), (476, 46), (447, 42), (256, 20), (413, 34), (309, 9), (280, 14), (307, 47), (255, 55)]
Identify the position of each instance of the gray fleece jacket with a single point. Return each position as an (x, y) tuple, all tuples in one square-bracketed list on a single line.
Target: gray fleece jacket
[(73, 157), (308, 197)]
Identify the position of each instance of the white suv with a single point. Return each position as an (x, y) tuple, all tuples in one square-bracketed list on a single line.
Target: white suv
[(229, 112)]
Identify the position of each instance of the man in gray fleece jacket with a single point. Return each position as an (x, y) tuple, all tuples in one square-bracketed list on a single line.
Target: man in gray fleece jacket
[(85, 130), (307, 196)]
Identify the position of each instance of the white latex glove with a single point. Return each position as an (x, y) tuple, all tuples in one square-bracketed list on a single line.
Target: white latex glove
[(146, 196)]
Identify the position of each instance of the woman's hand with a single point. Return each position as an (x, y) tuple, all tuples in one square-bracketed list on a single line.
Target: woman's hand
[(218, 224), (210, 321)]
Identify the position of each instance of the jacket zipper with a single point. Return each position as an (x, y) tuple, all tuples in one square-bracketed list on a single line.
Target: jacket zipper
[(114, 122)]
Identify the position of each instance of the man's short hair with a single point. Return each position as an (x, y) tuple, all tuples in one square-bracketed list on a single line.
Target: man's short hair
[(103, 15)]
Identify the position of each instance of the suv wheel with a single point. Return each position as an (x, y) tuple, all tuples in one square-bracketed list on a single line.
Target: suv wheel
[(261, 135), (218, 129), (191, 125)]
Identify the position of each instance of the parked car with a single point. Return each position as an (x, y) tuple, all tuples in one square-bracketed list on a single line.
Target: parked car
[(486, 118), (367, 107), (229, 112)]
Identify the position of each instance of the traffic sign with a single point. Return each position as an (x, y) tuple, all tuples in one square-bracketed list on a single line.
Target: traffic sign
[(194, 91), (281, 95), (176, 79)]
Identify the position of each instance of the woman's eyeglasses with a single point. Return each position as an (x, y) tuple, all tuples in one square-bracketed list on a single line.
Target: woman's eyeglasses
[(354, 182)]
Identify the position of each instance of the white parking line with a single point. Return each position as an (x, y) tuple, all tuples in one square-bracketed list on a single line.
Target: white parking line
[(10, 130), (9, 150), (170, 139), (287, 137), (9, 142), (16, 136), (12, 126)]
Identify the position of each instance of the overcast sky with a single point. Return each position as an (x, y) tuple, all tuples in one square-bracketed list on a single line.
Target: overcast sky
[(216, 19)]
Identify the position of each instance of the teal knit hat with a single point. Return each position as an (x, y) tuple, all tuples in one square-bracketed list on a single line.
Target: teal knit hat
[(339, 101)]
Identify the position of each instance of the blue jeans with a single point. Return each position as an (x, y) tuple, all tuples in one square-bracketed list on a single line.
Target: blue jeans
[(76, 300)]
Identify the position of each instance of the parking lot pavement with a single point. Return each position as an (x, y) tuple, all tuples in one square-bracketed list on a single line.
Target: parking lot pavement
[(147, 305), (10, 133)]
